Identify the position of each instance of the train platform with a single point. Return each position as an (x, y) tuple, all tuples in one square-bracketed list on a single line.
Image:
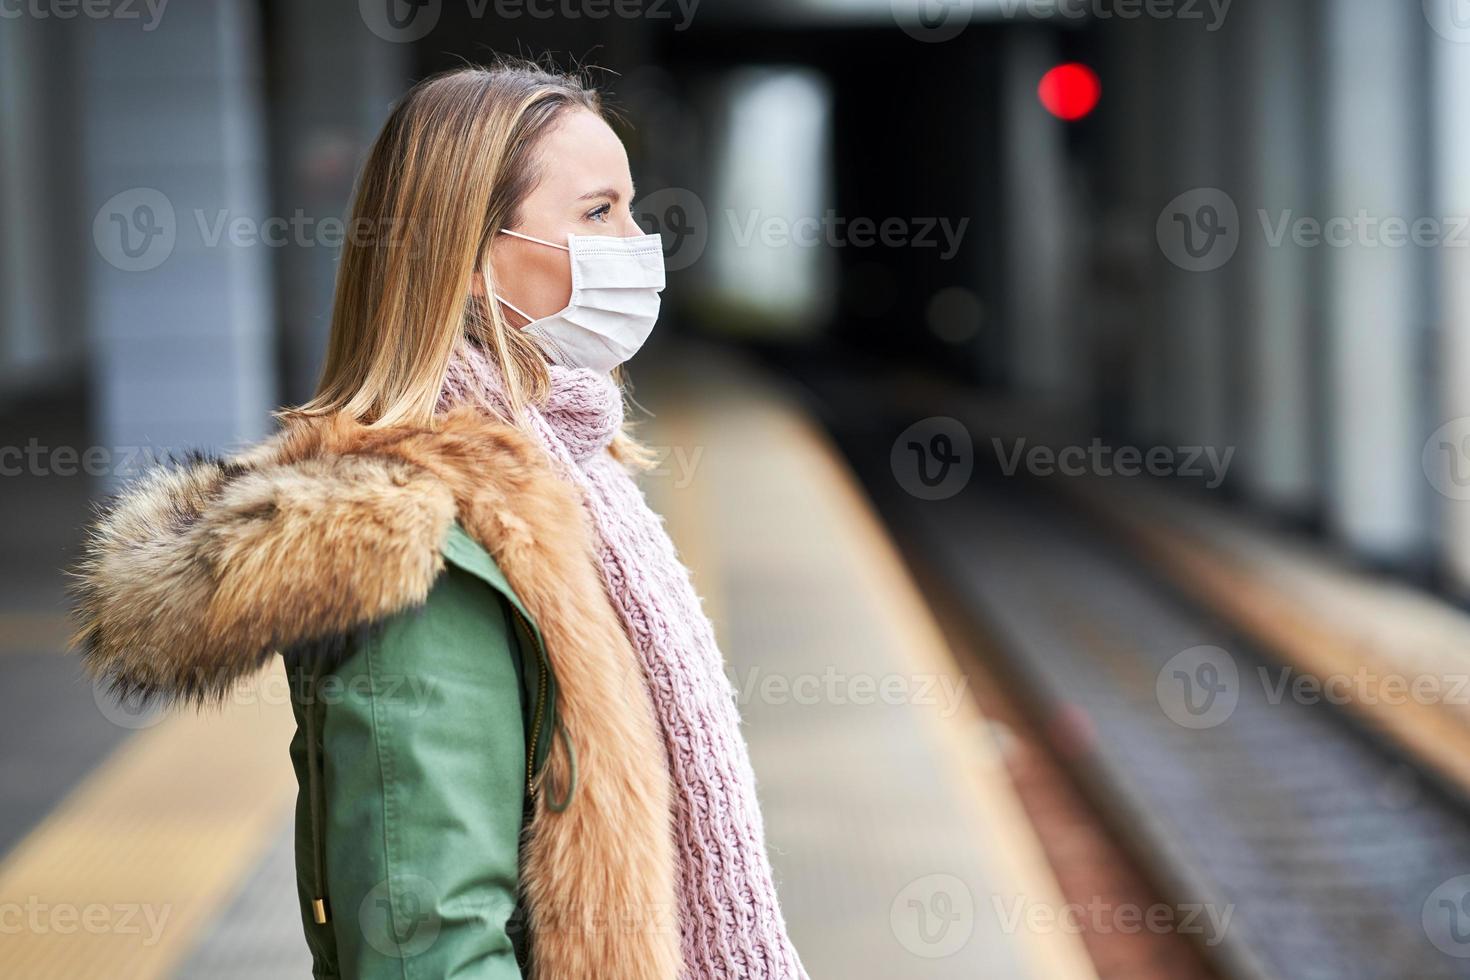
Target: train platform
[(159, 845)]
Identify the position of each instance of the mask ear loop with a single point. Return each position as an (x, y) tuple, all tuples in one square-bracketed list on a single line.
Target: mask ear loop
[(526, 316), (539, 241)]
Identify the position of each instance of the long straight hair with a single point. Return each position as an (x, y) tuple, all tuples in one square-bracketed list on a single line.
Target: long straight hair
[(452, 165)]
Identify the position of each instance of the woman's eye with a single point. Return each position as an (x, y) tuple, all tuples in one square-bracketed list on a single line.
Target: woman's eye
[(600, 212)]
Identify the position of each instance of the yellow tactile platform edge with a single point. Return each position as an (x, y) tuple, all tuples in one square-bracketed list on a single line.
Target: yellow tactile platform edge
[(123, 877)]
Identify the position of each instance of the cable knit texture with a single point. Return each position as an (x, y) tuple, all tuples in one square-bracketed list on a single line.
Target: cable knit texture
[(730, 919)]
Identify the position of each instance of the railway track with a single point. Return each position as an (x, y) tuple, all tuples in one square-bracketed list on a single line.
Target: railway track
[(1304, 847)]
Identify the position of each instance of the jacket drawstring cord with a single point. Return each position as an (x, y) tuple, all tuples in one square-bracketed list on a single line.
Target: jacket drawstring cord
[(557, 806), (319, 912)]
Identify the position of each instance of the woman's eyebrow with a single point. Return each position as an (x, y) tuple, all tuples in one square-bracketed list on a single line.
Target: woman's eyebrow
[(608, 192)]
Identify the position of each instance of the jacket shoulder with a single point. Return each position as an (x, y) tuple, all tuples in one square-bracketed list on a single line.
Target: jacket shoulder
[(199, 572)]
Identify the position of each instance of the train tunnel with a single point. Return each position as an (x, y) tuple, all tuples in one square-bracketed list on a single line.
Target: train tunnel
[(1057, 405)]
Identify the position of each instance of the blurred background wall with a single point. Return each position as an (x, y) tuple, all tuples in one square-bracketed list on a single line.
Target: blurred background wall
[(1255, 240)]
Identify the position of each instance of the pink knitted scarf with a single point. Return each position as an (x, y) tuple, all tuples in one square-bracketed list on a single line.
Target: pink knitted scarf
[(729, 917)]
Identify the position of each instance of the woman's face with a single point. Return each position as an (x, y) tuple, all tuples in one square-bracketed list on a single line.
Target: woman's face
[(586, 188)]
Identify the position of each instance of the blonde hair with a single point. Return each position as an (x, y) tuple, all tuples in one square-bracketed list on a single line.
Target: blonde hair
[(452, 165)]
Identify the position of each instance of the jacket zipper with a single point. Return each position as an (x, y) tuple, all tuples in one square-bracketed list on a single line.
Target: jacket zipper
[(540, 702)]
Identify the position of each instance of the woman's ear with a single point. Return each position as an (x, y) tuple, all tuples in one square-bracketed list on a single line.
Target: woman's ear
[(485, 270), (480, 276)]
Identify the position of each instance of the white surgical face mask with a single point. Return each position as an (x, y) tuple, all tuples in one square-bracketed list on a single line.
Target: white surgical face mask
[(615, 287)]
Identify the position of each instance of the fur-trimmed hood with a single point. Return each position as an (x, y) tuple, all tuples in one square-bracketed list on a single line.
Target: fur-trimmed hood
[(203, 570)]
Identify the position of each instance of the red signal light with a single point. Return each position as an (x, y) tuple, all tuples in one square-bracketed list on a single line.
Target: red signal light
[(1070, 91)]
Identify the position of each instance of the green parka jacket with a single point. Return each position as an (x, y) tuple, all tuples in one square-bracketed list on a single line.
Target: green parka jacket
[(424, 738), (483, 789)]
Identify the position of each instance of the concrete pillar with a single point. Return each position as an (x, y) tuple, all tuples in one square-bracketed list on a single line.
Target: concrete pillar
[(1130, 356), (1373, 92), (1040, 229), (174, 174), (1193, 300), (342, 80), (41, 337), (1277, 384), (1446, 450)]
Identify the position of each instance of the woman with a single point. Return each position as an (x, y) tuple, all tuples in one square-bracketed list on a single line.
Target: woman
[(516, 745)]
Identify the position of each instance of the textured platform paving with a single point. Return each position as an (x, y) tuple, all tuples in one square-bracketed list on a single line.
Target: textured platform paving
[(900, 846), (121, 878)]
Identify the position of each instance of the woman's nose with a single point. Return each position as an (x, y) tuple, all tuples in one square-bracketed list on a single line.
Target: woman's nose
[(628, 227)]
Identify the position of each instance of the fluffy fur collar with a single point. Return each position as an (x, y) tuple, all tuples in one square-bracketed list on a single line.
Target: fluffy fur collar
[(203, 570)]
